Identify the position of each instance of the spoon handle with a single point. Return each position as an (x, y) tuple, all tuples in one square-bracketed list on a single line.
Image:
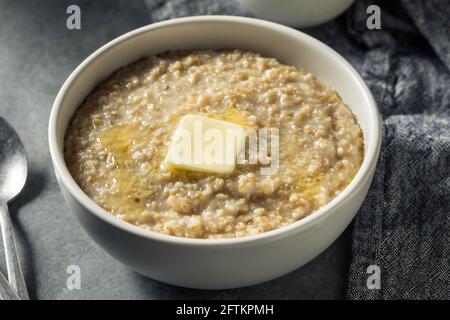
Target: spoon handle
[(6, 292), (15, 275)]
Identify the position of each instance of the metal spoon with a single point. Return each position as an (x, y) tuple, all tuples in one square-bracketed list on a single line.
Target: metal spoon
[(6, 292), (13, 174)]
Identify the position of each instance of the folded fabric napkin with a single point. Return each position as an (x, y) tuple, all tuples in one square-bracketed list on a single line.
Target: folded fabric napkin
[(403, 226)]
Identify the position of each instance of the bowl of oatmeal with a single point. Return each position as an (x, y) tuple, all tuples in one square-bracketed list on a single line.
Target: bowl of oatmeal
[(140, 137)]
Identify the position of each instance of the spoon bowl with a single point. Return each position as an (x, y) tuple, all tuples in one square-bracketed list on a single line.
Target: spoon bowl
[(13, 163)]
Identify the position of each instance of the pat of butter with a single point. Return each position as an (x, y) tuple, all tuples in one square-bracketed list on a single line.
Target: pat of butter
[(205, 144)]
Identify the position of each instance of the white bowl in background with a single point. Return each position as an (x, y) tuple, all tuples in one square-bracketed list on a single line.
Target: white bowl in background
[(297, 13), (221, 263)]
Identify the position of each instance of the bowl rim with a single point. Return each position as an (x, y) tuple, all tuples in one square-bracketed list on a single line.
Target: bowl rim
[(358, 181)]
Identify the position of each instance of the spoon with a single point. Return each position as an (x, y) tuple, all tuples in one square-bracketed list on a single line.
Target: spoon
[(6, 292), (13, 174)]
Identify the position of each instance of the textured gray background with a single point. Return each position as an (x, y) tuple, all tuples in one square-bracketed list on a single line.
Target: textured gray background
[(37, 53)]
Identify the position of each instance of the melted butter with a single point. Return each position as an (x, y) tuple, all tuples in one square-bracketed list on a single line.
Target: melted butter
[(232, 115), (129, 192), (309, 186), (129, 189), (118, 140)]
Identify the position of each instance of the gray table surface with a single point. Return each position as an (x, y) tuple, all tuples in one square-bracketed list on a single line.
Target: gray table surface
[(37, 53)]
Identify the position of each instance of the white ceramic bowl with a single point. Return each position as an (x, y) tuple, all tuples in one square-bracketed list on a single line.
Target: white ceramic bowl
[(228, 263), (297, 13)]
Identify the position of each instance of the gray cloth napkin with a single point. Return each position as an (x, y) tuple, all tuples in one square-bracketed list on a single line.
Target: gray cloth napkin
[(403, 226)]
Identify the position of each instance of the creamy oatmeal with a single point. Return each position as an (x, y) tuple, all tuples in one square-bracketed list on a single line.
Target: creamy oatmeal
[(117, 141)]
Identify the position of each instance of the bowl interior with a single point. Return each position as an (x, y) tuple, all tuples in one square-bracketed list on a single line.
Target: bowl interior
[(287, 45)]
